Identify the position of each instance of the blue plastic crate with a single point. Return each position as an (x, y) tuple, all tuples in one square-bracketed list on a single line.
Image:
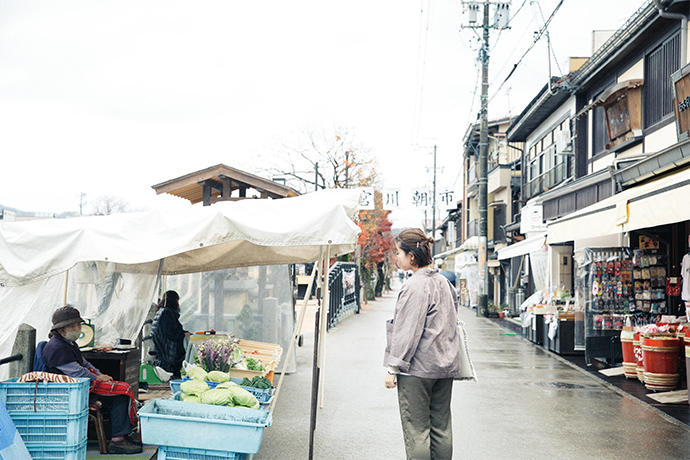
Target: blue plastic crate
[(64, 398), (200, 426), (183, 453), (263, 395), (51, 428), (57, 452)]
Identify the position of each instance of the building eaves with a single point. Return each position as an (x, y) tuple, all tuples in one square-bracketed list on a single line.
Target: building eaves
[(616, 45), (544, 103)]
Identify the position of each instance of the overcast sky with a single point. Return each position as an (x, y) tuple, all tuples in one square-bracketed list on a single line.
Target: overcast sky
[(110, 98)]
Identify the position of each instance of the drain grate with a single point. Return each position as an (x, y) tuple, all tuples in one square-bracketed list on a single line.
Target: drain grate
[(569, 386)]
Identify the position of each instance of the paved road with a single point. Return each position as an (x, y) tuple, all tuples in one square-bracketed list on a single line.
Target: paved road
[(528, 403)]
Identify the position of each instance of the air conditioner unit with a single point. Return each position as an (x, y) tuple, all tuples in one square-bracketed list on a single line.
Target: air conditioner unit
[(563, 142)]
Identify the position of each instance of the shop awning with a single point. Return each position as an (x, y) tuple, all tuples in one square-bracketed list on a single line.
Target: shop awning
[(470, 244), (523, 247), (449, 253), (659, 202)]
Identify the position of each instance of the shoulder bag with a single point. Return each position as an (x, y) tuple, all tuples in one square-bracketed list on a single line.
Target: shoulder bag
[(467, 371)]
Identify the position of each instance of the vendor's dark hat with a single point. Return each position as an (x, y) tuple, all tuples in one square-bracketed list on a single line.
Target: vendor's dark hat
[(65, 316)]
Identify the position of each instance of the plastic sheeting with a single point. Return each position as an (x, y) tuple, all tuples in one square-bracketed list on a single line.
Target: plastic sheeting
[(117, 306), (256, 304), (110, 264)]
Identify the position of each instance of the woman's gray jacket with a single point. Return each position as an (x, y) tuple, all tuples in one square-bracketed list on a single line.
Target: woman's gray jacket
[(422, 338)]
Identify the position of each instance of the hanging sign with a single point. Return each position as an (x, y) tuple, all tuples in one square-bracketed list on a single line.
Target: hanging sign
[(366, 200), (390, 198), (421, 198), (681, 100)]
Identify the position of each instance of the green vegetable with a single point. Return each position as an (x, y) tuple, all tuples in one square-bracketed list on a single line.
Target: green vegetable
[(257, 382), (196, 373), (255, 365), (227, 385), (194, 387), (217, 397), (241, 397), (261, 382), (217, 376), (190, 398)]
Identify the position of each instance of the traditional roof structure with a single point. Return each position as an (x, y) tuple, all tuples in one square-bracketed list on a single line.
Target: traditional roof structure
[(217, 183)]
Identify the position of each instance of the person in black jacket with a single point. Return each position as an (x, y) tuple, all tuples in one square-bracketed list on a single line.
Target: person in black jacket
[(168, 335)]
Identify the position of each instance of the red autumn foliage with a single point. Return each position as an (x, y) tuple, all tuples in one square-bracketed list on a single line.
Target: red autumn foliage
[(375, 240)]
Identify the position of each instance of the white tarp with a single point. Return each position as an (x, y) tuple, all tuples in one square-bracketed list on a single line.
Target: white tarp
[(227, 234), (113, 261), (526, 246)]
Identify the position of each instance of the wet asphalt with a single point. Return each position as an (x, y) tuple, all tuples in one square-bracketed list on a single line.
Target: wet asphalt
[(528, 403)]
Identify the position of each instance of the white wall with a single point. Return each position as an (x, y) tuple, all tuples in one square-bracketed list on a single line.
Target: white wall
[(568, 107)]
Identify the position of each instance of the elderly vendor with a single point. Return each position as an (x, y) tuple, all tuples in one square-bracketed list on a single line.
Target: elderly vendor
[(62, 356)]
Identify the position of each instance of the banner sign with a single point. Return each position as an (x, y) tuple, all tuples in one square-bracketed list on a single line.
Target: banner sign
[(366, 200), (391, 198)]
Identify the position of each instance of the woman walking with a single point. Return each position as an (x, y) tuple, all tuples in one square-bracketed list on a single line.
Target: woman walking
[(423, 350)]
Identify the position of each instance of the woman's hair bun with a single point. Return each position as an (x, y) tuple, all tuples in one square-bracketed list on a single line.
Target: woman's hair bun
[(431, 240)]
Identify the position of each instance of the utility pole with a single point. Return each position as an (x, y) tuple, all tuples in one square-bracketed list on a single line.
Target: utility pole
[(482, 299), (482, 166)]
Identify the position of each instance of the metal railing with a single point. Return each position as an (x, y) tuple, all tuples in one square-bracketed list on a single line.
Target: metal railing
[(343, 283), (546, 181)]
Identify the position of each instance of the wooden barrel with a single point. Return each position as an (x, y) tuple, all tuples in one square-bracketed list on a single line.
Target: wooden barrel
[(639, 356), (660, 362), (629, 362)]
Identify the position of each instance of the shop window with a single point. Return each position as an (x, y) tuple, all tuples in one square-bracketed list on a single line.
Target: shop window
[(600, 135), (660, 63)]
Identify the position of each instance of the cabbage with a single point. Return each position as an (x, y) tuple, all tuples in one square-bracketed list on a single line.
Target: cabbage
[(242, 397), (196, 373), (217, 376), (217, 397), (227, 385), (194, 387), (190, 398)]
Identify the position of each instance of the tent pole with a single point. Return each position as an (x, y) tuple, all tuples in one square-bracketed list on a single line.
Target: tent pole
[(295, 335), (315, 362), (325, 307), (64, 296)]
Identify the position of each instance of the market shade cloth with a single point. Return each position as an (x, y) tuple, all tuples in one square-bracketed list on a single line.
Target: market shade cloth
[(523, 247), (659, 202), (225, 235)]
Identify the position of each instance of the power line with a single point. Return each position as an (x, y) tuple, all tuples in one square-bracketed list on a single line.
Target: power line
[(551, 50), (536, 39), (421, 63)]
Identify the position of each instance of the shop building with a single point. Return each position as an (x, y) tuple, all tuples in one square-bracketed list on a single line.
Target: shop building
[(606, 167), (503, 189)]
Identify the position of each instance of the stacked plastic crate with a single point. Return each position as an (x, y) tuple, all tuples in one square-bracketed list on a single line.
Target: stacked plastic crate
[(52, 418)]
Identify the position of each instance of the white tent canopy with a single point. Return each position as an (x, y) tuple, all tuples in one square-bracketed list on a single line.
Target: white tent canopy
[(35, 255), (227, 234)]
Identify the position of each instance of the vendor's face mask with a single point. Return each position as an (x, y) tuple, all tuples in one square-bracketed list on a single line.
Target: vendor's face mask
[(72, 335)]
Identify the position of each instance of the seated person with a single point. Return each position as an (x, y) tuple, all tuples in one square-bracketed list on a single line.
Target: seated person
[(62, 356)]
